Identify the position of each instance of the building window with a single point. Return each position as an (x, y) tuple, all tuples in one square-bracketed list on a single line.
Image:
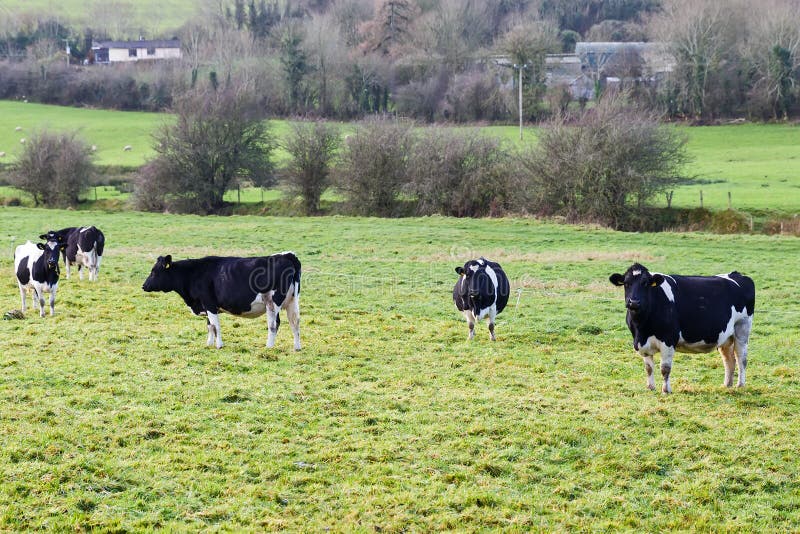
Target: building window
[(151, 51), (132, 52)]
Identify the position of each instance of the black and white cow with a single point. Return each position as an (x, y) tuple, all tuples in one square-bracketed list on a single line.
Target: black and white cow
[(85, 246), (248, 287), (481, 291), (688, 314), (36, 267)]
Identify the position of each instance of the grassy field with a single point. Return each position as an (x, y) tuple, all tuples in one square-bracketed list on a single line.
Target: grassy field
[(117, 417), (759, 164), (121, 17)]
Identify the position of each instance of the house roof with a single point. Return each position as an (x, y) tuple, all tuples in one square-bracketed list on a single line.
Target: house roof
[(162, 43)]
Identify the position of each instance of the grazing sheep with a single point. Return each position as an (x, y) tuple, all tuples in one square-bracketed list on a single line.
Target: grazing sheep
[(127, 148), (18, 129), (94, 148), (2, 154), (22, 141)]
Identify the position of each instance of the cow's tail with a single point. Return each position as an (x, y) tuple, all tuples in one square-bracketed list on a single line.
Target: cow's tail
[(100, 242), (296, 269), (749, 289)]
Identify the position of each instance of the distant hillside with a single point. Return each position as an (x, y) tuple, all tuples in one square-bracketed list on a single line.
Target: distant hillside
[(121, 18)]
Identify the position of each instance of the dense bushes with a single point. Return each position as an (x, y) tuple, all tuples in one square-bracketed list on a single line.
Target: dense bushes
[(54, 168), (313, 148)]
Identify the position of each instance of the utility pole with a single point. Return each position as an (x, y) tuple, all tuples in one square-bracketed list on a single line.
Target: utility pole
[(66, 44), (520, 67)]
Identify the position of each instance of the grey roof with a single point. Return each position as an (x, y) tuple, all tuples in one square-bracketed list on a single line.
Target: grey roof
[(161, 43)]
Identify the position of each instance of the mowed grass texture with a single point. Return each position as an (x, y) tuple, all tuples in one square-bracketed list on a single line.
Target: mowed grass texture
[(116, 416)]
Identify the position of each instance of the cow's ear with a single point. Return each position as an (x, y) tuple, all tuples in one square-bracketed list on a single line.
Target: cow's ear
[(40, 246), (617, 279), (167, 261), (43, 237), (656, 280), (460, 270)]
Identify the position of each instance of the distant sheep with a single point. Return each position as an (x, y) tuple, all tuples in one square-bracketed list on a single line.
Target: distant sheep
[(94, 148), (18, 129), (2, 154), (22, 140), (127, 148)]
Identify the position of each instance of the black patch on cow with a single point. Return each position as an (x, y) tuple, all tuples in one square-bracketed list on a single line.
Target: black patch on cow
[(230, 284), (23, 273)]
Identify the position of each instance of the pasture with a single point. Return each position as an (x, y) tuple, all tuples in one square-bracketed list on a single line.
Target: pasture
[(117, 417), (758, 163)]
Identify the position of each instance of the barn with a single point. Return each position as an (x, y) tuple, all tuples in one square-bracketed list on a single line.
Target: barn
[(141, 50)]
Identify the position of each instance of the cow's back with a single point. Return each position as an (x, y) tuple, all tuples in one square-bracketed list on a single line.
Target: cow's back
[(704, 304)]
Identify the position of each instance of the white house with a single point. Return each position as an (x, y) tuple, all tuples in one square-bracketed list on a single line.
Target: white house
[(126, 51)]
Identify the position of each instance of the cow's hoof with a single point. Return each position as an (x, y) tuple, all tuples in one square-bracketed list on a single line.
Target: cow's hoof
[(666, 390), (651, 387)]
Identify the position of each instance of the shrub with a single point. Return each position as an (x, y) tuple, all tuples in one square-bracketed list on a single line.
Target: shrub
[(54, 168), (606, 167), (476, 96), (217, 140), (459, 174), (313, 147), (373, 166)]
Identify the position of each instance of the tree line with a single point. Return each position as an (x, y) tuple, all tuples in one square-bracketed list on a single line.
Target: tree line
[(430, 60), (602, 165)]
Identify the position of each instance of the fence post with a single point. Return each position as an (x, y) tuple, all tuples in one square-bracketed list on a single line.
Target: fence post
[(701, 198), (238, 194), (730, 204), (669, 199)]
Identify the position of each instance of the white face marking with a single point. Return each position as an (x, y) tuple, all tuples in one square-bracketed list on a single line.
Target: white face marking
[(474, 268), (480, 261), (637, 272)]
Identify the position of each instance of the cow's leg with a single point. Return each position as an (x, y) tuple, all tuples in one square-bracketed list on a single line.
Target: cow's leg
[(491, 324), (212, 333), (52, 300), (23, 294), (741, 336), (649, 365), (470, 317), (213, 321), (66, 261), (666, 367), (80, 270), (726, 351), (293, 314), (39, 295), (272, 323)]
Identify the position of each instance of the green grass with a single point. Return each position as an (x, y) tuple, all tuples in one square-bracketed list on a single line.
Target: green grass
[(150, 18), (117, 417), (759, 164)]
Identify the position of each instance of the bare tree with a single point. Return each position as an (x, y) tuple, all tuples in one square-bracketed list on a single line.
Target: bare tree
[(701, 35), (313, 148), (54, 168), (218, 139), (325, 51), (772, 49), (390, 26)]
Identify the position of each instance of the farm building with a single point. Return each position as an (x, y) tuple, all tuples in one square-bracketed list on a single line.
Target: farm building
[(127, 51)]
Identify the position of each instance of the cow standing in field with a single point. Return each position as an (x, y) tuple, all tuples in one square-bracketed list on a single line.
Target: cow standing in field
[(481, 291), (85, 246), (689, 314), (247, 287), (36, 267)]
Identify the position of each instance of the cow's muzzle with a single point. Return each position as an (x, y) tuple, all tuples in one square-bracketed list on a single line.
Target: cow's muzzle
[(632, 305)]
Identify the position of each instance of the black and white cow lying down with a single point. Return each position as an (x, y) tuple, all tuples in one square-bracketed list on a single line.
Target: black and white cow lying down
[(688, 314), (85, 246), (36, 267), (481, 291), (248, 287)]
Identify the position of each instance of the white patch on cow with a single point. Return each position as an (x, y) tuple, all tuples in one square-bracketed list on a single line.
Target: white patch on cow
[(724, 337), (728, 278), (259, 305), (636, 272), (493, 278), (474, 268), (490, 312), (480, 261)]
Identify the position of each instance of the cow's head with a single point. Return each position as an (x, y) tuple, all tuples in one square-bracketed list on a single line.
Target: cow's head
[(477, 286), (160, 278), (640, 286), (52, 249)]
